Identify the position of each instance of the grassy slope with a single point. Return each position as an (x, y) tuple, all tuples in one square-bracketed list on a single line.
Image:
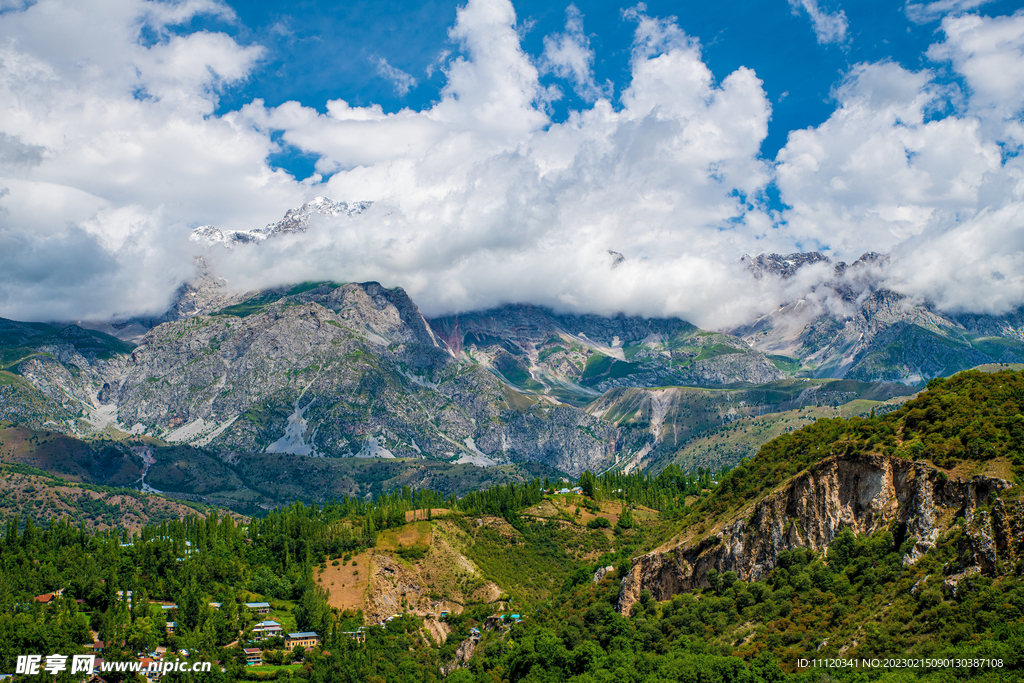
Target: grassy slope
[(940, 426), (99, 462), (28, 492), (730, 443)]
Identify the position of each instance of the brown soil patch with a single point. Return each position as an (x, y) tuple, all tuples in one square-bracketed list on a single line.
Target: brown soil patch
[(345, 587), (421, 515), (406, 536)]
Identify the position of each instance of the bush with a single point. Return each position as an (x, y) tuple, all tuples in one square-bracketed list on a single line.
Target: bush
[(599, 523)]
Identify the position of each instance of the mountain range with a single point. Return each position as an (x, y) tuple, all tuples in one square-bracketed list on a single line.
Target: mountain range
[(355, 370)]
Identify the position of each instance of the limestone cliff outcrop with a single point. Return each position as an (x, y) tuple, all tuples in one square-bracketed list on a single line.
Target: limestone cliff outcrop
[(863, 493)]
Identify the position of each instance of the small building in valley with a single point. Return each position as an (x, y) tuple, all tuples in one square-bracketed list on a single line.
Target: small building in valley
[(307, 639), (259, 607), (266, 629)]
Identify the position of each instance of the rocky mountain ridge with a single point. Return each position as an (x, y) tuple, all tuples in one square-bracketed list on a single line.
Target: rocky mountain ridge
[(864, 493), (327, 369), (295, 220), (851, 326), (578, 357)]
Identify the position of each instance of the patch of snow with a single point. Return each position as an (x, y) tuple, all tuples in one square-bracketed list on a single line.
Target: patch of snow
[(295, 221)]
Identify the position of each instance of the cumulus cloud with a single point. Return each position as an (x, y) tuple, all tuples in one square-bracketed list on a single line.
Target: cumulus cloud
[(402, 81), (829, 27), (110, 151), (942, 194), (878, 172), (482, 199), (989, 54)]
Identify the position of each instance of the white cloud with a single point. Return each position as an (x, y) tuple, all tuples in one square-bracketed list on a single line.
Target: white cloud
[(989, 54), (111, 139), (877, 172), (568, 55), (944, 195), (924, 12), (829, 27), (482, 199), (110, 150), (402, 81)]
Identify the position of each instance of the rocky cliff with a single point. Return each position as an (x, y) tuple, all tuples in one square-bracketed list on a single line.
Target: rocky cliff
[(340, 370), (863, 493)]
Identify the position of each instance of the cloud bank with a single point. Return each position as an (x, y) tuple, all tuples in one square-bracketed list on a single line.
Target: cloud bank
[(110, 152)]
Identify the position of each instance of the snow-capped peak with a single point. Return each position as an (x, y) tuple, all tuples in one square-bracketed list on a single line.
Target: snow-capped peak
[(295, 220)]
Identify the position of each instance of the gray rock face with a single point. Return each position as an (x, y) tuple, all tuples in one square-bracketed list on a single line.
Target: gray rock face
[(862, 493), (57, 375), (353, 370), (585, 355), (781, 266), (295, 221)]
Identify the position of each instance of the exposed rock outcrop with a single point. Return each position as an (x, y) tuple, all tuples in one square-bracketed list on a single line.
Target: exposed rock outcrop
[(863, 493)]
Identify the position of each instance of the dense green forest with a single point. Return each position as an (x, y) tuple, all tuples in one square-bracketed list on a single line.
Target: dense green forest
[(858, 601)]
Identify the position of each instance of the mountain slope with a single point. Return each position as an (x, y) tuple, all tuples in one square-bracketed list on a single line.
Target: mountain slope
[(577, 357), (912, 471), (340, 371), (56, 376), (656, 423), (850, 326)]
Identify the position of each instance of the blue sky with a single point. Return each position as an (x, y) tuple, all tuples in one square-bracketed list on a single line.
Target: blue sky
[(319, 51), (507, 147)]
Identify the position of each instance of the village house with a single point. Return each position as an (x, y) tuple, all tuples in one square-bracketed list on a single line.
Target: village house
[(307, 639), (253, 656), (359, 635), (259, 607), (266, 629), (48, 598), (150, 673)]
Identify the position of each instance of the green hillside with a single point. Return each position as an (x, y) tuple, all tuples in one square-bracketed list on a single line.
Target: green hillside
[(525, 549)]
